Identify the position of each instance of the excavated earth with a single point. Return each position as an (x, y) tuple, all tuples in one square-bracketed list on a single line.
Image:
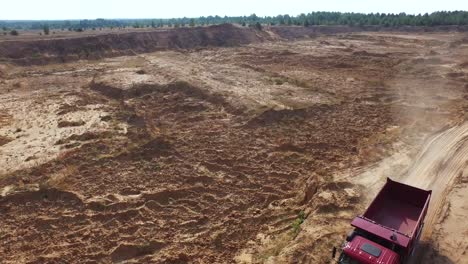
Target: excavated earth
[(223, 145)]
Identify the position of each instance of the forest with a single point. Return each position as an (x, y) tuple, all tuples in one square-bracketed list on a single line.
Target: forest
[(310, 19)]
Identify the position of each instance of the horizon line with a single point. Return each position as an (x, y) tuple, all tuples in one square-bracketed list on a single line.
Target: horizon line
[(129, 18)]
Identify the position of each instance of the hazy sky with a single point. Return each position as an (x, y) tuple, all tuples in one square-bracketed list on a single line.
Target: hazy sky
[(91, 9)]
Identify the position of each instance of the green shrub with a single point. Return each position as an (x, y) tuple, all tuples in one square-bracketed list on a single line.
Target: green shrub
[(296, 225)]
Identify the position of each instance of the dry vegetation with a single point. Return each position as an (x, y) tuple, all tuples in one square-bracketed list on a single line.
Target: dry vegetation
[(251, 153)]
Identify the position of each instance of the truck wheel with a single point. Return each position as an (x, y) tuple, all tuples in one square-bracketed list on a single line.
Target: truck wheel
[(350, 236)]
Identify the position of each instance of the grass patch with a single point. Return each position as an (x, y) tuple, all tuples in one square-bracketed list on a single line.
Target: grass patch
[(296, 224)]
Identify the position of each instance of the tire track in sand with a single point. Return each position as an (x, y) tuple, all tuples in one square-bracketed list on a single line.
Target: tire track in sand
[(442, 159)]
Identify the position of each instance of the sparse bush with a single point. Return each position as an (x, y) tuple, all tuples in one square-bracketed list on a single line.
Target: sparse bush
[(14, 33)]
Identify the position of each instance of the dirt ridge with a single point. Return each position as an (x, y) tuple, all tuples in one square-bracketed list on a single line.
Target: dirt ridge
[(47, 51), (60, 50)]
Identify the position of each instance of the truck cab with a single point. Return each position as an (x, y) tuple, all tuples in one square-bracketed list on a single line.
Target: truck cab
[(364, 251), (389, 230)]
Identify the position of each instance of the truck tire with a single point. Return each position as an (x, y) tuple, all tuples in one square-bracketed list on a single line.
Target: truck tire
[(350, 236)]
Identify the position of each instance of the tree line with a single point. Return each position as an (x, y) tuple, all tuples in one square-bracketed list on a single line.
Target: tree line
[(310, 19)]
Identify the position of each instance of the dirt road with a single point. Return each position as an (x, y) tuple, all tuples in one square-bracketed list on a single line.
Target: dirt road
[(442, 160)]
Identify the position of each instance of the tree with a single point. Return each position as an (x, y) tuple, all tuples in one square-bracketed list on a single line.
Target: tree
[(192, 22), (314, 18), (46, 29), (253, 17), (258, 26)]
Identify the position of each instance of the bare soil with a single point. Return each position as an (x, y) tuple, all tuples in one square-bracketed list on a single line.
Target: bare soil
[(209, 155)]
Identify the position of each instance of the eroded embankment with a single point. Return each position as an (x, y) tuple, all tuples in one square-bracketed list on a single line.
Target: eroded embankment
[(59, 50), (301, 32), (111, 45)]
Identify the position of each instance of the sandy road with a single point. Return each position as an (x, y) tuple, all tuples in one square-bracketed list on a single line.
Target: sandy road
[(441, 160), (440, 163)]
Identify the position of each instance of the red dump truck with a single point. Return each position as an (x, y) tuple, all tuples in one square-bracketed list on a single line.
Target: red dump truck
[(389, 230)]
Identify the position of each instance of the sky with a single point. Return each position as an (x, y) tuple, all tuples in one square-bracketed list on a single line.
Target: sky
[(92, 9)]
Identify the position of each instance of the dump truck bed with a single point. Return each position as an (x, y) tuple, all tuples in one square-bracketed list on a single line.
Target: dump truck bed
[(396, 214)]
